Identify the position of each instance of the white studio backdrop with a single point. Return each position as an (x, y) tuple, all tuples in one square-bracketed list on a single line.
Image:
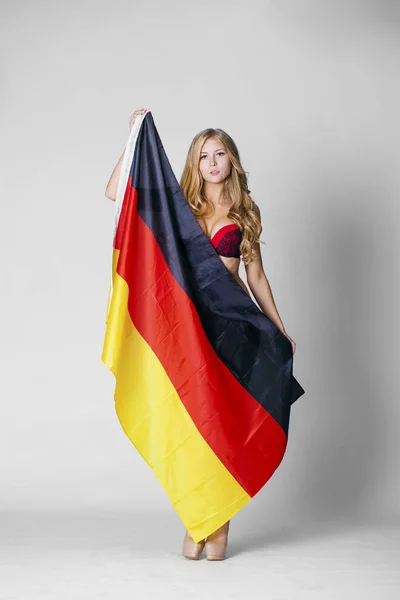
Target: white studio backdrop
[(309, 90)]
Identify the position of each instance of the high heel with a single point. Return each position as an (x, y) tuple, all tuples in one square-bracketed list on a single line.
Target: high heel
[(190, 549), (217, 542)]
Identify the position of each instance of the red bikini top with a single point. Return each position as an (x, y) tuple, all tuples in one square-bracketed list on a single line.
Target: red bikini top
[(227, 240)]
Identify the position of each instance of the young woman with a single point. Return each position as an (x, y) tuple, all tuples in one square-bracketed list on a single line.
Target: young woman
[(215, 185)]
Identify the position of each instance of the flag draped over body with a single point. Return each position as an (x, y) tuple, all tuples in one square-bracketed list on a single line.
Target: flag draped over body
[(204, 380)]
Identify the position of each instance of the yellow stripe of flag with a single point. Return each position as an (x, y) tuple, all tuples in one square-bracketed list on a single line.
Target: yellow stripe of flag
[(201, 489)]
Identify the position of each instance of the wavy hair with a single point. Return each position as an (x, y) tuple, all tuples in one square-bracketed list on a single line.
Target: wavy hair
[(243, 210)]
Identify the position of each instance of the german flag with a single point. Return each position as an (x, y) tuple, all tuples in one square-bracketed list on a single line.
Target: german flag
[(204, 381)]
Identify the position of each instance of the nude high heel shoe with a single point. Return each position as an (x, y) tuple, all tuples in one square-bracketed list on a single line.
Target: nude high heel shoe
[(217, 542), (190, 549)]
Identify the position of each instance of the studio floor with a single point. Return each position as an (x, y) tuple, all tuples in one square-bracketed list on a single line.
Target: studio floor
[(85, 555)]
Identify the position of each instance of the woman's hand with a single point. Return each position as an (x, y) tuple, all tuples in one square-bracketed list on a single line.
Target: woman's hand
[(141, 111), (291, 341), (112, 185)]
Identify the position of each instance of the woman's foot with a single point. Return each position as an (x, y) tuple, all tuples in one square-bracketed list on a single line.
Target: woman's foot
[(217, 542), (190, 549)]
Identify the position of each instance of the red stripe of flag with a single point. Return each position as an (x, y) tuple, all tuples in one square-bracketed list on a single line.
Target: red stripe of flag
[(245, 437)]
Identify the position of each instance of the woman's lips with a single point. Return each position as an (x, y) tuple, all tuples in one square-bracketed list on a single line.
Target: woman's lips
[(214, 173)]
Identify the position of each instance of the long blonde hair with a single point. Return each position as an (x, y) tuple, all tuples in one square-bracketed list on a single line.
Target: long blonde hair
[(243, 211)]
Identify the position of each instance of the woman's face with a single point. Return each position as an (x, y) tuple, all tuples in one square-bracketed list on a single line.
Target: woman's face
[(214, 164)]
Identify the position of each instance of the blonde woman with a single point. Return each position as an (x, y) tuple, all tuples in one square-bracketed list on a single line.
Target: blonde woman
[(214, 184)]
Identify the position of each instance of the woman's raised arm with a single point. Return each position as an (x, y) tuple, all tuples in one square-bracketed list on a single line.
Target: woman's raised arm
[(112, 185)]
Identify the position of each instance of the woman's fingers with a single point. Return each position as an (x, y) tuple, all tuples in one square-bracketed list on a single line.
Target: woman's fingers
[(138, 112)]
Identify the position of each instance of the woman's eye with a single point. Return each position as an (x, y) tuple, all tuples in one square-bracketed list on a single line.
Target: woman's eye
[(219, 154)]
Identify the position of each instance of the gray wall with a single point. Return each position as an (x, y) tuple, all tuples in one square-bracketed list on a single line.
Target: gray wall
[(309, 90)]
